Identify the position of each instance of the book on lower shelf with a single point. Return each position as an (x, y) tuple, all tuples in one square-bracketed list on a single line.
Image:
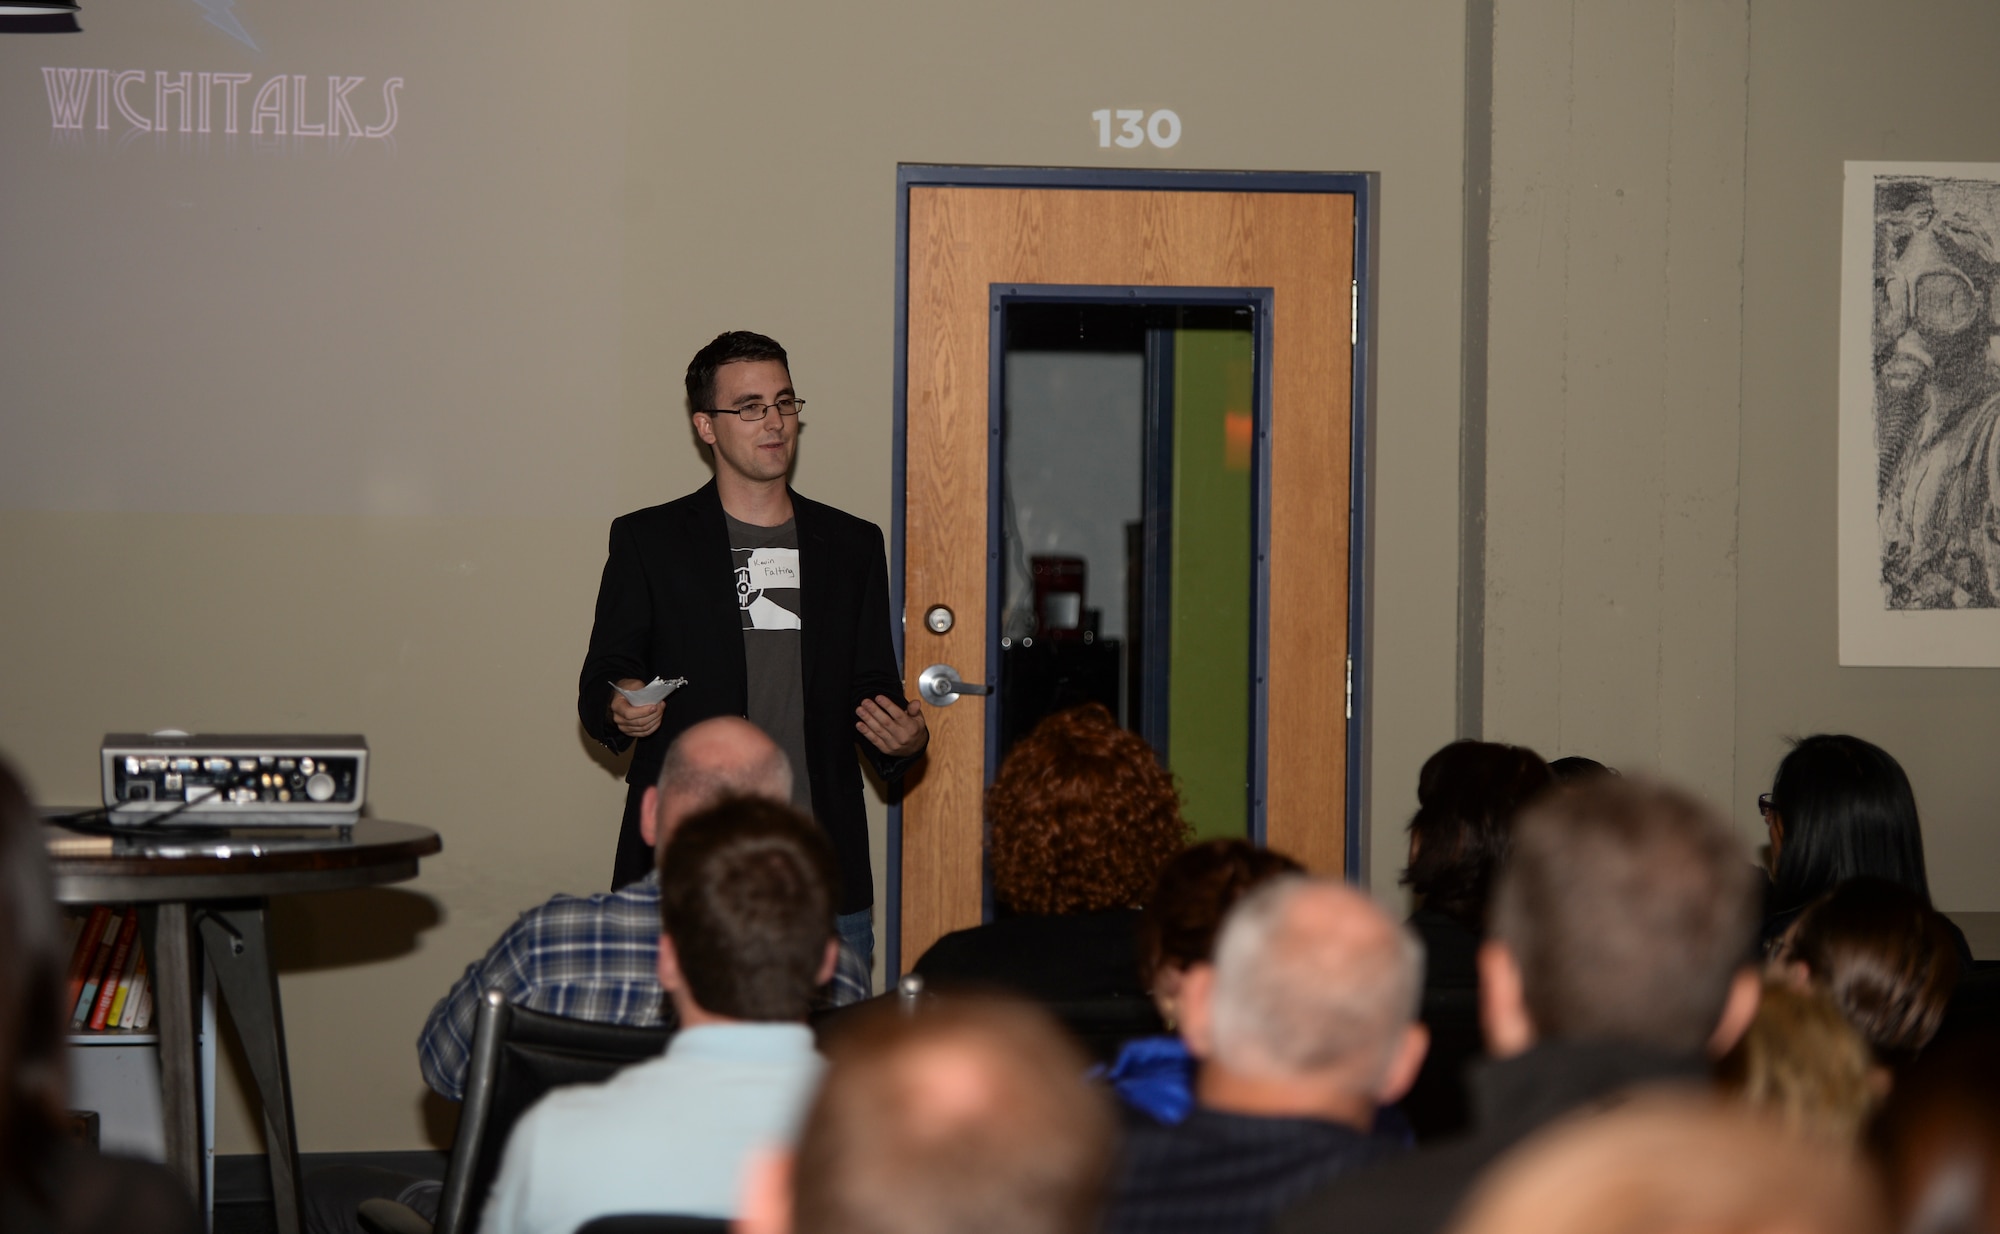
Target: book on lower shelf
[(109, 988)]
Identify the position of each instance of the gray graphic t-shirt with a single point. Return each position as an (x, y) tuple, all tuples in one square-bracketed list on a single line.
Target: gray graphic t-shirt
[(767, 593)]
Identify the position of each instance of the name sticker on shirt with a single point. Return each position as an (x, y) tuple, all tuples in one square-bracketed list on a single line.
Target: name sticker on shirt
[(767, 588)]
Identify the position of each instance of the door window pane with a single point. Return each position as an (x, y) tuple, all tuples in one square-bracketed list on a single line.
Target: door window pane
[(1208, 674), (1126, 494)]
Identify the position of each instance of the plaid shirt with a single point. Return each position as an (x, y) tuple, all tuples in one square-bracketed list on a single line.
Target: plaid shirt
[(589, 958)]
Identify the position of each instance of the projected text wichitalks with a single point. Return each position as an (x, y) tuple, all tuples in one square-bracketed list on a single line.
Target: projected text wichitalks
[(198, 102)]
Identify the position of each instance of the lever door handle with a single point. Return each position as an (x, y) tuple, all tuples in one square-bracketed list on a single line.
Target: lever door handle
[(939, 685)]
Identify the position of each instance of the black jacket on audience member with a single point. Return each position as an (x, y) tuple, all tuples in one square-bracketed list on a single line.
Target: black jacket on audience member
[(1511, 1099), (1437, 1104), (1047, 958), (1218, 1173)]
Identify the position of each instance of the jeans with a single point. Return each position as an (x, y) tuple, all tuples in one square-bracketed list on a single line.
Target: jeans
[(857, 930)]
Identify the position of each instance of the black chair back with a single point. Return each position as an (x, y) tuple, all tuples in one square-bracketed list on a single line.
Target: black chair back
[(518, 1055), (647, 1223)]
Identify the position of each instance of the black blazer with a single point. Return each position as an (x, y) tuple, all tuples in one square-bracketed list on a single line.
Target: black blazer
[(667, 607)]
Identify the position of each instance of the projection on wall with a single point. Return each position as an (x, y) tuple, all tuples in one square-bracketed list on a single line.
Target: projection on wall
[(1920, 415), (207, 102), (273, 257)]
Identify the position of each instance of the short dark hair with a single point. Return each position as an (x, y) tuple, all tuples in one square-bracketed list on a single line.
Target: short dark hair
[(746, 895), (1467, 796), (1847, 810), (1016, 1142), (1195, 892), (33, 1078), (1574, 767), (729, 347), (1629, 907), (1888, 960)]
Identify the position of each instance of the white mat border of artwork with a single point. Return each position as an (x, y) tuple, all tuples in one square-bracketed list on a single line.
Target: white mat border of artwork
[(1871, 635)]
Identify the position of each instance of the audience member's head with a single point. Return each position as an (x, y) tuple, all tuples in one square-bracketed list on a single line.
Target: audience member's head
[(1626, 913), (1574, 767), (1938, 1140), (1081, 817), (718, 758), (746, 912), (1840, 808), (1803, 1063), (1467, 796), (1195, 892), (1309, 1008), (972, 1115), (1887, 959), (1673, 1165), (33, 1090)]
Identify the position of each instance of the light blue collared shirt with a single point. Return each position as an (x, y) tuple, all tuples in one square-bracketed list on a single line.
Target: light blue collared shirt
[(671, 1135)]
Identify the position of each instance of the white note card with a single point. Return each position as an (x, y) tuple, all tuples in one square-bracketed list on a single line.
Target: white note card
[(650, 693)]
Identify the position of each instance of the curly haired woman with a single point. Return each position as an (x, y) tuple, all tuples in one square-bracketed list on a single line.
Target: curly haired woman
[(1079, 823)]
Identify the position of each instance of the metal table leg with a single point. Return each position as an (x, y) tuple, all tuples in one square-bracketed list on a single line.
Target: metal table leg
[(237, 944), (164, 932)]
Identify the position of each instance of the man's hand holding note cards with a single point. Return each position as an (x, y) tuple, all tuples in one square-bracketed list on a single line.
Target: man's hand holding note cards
[(635, 708)]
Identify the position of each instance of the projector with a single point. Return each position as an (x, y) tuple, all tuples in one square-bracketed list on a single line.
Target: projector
[(235, 780)]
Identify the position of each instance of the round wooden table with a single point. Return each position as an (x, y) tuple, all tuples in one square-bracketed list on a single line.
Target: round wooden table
[(215, 885)]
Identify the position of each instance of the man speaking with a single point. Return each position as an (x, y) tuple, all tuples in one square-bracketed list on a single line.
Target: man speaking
[(761, 604)]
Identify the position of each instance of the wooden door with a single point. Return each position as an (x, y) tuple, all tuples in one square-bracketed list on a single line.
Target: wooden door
[(964, 240)]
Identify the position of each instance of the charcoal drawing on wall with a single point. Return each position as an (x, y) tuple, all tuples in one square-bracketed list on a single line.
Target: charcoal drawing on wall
[(1937, 391), (1930, 407)]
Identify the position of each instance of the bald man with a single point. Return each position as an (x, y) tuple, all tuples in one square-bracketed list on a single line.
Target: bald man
[(972, 1114), (596, 957), (1306, 1024)]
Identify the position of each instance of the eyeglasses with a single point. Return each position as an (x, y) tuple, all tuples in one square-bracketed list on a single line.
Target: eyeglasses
[(1942, 302), (753, 412), (1764, 804)]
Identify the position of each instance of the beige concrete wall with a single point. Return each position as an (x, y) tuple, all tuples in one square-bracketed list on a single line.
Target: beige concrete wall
[(1662, 332), (760, 145), (1832, 82), (1612, 382)]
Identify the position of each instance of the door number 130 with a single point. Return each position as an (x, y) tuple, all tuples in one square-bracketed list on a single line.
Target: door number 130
[(1136, 128)]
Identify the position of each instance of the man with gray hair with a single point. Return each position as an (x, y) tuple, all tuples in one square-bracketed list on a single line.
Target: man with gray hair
[(1305, 1024), (1619, 955)]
